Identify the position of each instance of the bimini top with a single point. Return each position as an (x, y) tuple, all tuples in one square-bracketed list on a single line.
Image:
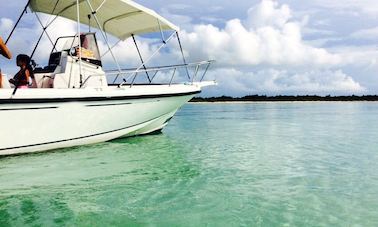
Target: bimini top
[(120, 18)]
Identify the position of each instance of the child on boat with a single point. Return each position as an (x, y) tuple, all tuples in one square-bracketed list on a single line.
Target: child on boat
[(21, 79)]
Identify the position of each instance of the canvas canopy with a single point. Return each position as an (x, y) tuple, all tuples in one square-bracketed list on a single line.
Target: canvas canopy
[(120, 18)]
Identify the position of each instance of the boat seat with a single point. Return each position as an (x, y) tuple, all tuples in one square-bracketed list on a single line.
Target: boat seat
[(44, 81), (47, 69), (54, 61)]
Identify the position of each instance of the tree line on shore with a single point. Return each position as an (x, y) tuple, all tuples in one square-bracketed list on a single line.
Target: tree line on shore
[(285, 98)]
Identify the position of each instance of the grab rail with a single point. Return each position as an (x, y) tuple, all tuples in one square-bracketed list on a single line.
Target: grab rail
[(134, 72)]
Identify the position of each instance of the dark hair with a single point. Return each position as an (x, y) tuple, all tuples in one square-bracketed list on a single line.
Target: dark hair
[(23, 58), (26, 59)]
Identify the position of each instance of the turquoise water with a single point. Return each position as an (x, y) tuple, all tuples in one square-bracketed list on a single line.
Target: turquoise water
[(259, 164)]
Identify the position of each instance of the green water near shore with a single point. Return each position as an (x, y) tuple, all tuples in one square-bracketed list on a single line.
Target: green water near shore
[(251, 164)]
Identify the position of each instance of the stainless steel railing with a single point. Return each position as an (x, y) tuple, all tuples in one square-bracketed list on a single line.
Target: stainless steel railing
[(173, 68), (133, 73)]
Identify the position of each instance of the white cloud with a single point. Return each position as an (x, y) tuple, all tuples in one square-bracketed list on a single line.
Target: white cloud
[(268, 13), (268, 37), (274, 82), (358, 56), (184, 21), (6, 25), (126, 52), (366, 34), (210, 19), (364, 7)]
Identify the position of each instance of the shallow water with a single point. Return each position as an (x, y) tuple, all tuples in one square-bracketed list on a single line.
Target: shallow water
[(257, 164)]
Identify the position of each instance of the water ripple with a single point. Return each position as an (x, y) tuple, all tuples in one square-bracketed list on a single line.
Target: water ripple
[(264, 164)]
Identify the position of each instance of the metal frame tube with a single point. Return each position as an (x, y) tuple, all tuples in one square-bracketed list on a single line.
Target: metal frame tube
[(204, 73), (149, 59), (99, 7), (62, 11), (44, 30), (161, 31), (141, 58), (103, 35), (153, 77), (36, 45), (156, 70), (56, 5), (78, 36), (153, 69), (182, 53), (173, 75), (18, 21), (107, 51), (195, 73)]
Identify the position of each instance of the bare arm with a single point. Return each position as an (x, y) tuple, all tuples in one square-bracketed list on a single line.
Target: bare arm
[(27, 74)]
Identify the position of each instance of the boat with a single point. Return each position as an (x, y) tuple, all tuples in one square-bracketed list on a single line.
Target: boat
[(76, 101)]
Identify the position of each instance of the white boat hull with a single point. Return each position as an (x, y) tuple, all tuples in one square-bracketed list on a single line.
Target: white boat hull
[(33, 125)]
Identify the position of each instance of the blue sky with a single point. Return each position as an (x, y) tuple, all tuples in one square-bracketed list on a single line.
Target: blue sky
[(261, 46)]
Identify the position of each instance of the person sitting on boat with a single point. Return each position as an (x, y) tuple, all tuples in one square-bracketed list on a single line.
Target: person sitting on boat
[(21, 79), (6, 53)]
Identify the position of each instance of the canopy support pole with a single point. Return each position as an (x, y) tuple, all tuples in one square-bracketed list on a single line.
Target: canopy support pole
[(78, 36), (161, 31), (36, 45), (182, 53), (89, 22), (62, 11), (140, 56), (149, 59), (107, 51), (204, 73), (44, 31), (99, 7), (18, 21), (104, 36)]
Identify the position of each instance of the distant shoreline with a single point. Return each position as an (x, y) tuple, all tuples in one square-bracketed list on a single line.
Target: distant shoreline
[(288, 98)]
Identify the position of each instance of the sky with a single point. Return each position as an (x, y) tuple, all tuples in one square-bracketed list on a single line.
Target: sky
[(266, 47)]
